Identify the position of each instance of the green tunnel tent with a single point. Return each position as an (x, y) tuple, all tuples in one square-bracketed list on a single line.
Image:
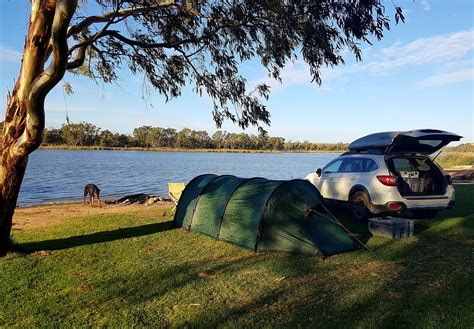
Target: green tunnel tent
[(188, 199), (261, 215)]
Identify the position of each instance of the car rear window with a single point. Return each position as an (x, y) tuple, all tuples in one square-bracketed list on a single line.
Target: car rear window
[(411, 164), (401, 164), (430, 142)]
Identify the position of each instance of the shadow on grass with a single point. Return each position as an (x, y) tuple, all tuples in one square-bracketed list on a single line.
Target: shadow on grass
[(360, 228), (98, 237), (427, 282), (422, 282)]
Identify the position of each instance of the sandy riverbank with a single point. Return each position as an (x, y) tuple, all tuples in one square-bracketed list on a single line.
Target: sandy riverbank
[(42, 215)]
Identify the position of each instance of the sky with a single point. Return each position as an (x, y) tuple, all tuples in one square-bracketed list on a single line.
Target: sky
[(420, 75)]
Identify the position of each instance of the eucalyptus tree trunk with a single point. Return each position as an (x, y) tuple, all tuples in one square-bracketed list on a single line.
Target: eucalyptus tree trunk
[(24, 119)]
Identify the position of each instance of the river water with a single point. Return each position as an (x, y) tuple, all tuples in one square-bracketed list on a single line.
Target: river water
[(60, 175)]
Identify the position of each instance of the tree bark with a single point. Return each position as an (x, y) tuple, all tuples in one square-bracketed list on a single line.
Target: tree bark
[(15, 169), (24, 118)]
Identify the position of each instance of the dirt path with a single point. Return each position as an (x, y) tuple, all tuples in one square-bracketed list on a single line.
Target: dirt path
[(42, 215)]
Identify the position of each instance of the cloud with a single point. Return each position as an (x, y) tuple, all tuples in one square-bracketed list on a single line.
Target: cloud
[(422, 51), (425, 5), (448, 78), (459, 64), (9, 55), (292, 74), (298, 73), (447, 52)]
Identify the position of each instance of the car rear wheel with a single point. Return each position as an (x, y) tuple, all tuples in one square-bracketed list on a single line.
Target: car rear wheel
[(360, 206)]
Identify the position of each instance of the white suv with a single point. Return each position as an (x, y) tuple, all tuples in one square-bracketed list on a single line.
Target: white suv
[(389, 172)]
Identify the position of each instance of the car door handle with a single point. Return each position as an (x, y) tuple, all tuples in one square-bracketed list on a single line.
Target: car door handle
[(353, 177), (331, 179)]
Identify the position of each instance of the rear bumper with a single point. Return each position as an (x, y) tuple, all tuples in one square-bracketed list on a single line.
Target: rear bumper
[(391, 193), (388, 207), (448, 206)]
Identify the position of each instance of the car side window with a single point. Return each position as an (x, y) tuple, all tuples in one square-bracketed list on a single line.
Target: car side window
[(351, 165), (369, 165), (333, 167)]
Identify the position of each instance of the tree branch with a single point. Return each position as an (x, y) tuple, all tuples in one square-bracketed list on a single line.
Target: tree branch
[(108, 17), (79, 60), (199, 76), (81, 54), (135, 43), (31, 137), (145, 45), (84, 24), (100, 54)]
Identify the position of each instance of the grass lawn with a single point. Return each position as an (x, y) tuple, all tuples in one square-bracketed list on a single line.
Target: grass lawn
[(135, 270)]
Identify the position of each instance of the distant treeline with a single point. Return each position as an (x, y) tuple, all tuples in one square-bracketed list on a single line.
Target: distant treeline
[(468, 147), (86, 134), (461, 155)]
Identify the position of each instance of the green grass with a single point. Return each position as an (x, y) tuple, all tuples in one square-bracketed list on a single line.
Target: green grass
[(126, 270)]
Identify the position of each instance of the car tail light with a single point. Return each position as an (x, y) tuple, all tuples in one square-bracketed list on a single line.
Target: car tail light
[(388, 180), (448, 179), (394, 206)]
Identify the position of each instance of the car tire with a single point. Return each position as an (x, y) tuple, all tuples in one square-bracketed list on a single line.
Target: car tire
[(360, 203), (424, 214)]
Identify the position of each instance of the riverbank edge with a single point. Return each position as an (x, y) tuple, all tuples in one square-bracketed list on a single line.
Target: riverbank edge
[(172, 149), (76, 201)]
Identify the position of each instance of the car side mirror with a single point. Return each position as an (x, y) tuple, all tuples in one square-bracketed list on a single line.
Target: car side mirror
[(319, 172)]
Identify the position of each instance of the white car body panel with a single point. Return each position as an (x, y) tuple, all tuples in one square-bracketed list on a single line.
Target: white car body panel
[(337, 186)]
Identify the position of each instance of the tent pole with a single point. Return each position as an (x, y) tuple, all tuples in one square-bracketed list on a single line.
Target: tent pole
[(335, 220)]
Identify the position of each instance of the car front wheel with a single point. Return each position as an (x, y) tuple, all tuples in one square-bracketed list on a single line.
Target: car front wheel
[(360, 206)]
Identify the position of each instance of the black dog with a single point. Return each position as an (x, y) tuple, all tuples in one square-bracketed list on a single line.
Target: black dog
[(93, 192)]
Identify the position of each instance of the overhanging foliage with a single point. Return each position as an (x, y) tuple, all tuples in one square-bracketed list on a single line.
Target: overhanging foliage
[(202, 44)]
